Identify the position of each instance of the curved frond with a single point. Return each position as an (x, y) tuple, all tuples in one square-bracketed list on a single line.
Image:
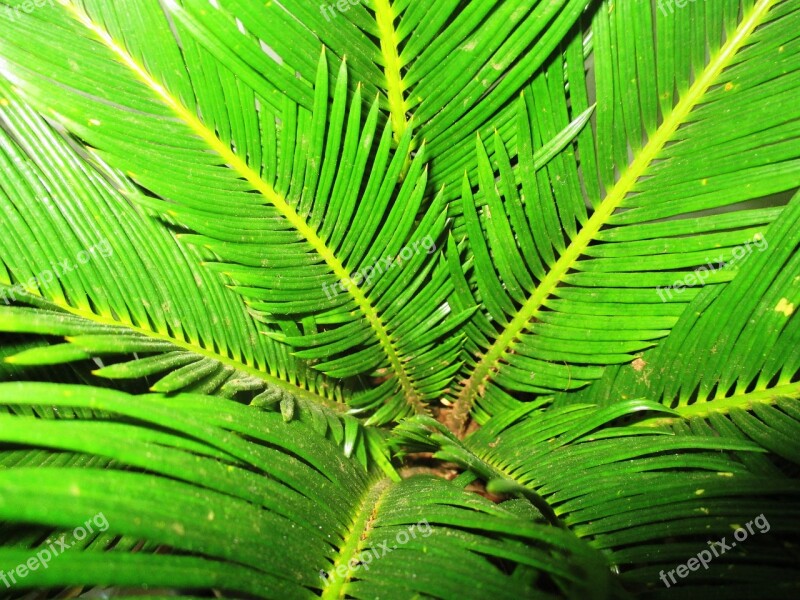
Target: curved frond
[(735, 351), (447, 70), (229, 498), (93, 265), (339, 258), (648, 499), (145, 319), (577, 265)]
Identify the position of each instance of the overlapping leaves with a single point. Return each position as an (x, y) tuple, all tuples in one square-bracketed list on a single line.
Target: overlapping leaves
[(731, 362), (288, 159), (571, 261), (447, 69), (649, 500), (292, 203), (133, 303), (247, 504)]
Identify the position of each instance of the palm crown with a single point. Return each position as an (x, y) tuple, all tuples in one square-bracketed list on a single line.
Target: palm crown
[(269, 271)]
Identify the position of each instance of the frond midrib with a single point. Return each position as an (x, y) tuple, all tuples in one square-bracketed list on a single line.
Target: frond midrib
[(362, 525), (395, 87), (490, 361), (243, 169), (722, 406), (295, 390)]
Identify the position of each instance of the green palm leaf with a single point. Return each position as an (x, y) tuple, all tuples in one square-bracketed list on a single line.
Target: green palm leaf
[(149, 324), (117, 272), (446, 70), (733, 352), (276, 176), (245, 503), (648, 499), (569, 289)]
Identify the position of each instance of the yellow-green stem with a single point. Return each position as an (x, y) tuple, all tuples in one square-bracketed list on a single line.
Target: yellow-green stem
[(482, 372), (243, 169)]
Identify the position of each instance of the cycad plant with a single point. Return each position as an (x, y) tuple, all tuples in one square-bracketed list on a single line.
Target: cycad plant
[(399, 299)]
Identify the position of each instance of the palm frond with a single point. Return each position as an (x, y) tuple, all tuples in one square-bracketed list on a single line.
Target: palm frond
[(229, 498), (92, 265), (447, 71), (570, 286), (646, 498), (150, 325), (733, 358), (309, 225)]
